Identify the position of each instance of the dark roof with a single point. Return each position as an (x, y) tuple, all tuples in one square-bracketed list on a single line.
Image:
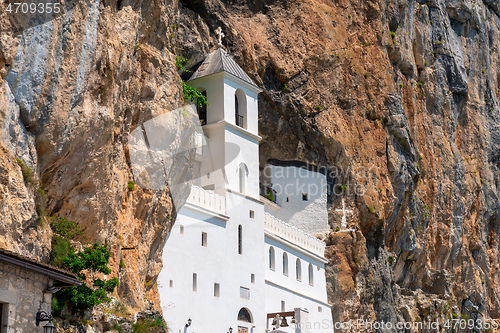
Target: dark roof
[(219, 61), (53, 272)]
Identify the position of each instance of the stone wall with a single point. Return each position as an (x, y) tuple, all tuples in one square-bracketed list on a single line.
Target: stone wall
[(21, 293)]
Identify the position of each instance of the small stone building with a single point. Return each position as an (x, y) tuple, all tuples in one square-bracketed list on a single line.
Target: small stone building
[(26, 287)]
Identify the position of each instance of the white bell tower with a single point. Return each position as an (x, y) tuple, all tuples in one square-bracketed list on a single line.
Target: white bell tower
[(230, 124)]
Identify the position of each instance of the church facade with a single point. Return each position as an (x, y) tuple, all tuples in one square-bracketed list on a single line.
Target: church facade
[(229, 263)]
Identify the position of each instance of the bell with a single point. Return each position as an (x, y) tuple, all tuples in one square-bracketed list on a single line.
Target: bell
[(293, 320), (284, 323), (274, 322)]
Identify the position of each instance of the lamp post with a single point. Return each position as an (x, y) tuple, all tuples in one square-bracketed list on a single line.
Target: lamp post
[(189, 322), (49, 328), (42, 316)]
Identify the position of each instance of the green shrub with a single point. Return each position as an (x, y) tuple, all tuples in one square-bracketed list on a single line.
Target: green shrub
[(390, 260), (145, 325), (131, 185), (26, 171), (117, 327), (93, 259), (317, 107), (122, 264), (393, 34), (370, 209), (41, 202), (64, 228), (337, 229), (193, 95), (61, 247), (283, 86)]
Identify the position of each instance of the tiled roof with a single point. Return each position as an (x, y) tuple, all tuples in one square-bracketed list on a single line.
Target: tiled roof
[(219, 61)]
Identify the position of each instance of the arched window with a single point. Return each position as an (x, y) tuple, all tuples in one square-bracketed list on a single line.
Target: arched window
[(240, 239), (272, 264), (285, 264), (245, 315), (202, 110), (298, 270), (242, 175), (241, 180), (240, 108), (311, 276)]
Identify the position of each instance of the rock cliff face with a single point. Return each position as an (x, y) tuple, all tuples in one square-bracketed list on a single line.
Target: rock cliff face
[(399, 98)]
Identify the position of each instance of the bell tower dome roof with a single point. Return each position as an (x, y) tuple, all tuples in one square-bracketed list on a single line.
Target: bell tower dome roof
[(219, 61)]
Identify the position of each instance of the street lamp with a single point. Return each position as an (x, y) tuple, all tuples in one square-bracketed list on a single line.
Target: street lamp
[(189, 322), (42, 316), (230, 330), (49, 328)]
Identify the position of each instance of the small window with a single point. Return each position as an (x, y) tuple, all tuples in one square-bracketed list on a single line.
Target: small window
[(216, 290), (252, 214), (320, 309), (240, 239), (252, 278), (282, 306), (311, 275), (182, 229), (305, 197), (171, 283), (204, 239), (195, 282), (271, 258), (287, 200), (298, 270), (244, 292), (285, 264)]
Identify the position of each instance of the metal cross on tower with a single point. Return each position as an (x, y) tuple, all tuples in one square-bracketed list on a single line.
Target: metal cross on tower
[(219, 32)]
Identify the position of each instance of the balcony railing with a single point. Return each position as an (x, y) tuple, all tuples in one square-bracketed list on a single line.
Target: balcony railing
[(267, 192), (239, 120), (294, 235), (207, 199)]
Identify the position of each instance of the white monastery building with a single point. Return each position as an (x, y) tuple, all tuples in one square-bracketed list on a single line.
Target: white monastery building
[(236, 259)]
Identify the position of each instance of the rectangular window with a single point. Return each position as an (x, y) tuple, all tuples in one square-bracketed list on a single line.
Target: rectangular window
[(171, 283), (204, 239), (252, 214), (282, 306), (195, 281), (320, 309), (305, 197), (216, 289), (244, 292), (182, 229), (252, 278)]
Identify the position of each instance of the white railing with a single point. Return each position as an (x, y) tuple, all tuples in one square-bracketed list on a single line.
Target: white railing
[(294, 235), (207, 199)]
